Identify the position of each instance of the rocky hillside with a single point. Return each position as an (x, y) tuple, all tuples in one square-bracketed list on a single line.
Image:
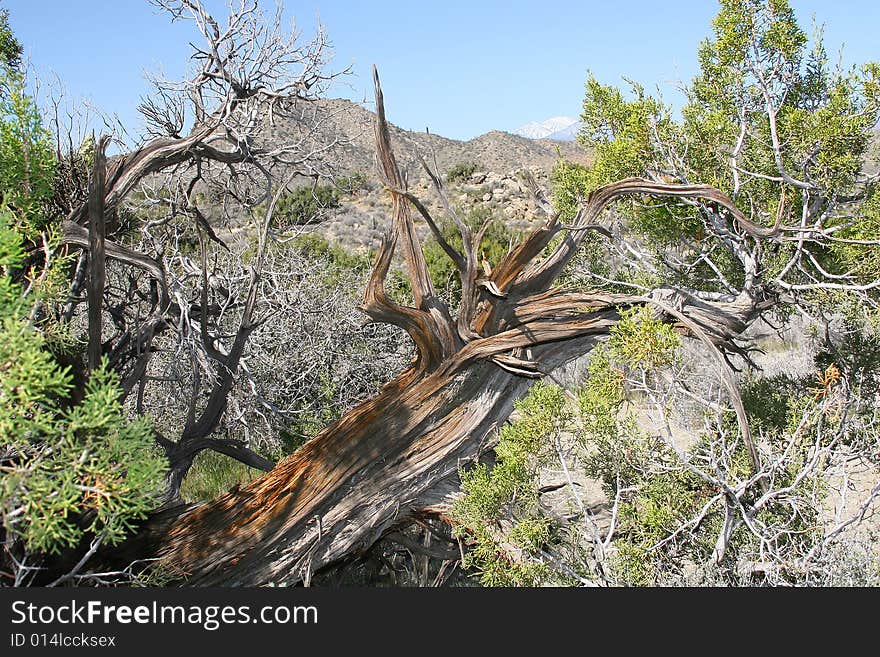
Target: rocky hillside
[(351, 125), (365, 215), (492, 181)]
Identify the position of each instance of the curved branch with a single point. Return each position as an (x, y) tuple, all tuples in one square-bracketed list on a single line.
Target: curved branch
[(129, 170), (540, 275), (559, 315), (77, 235), (726, 376), (379, 308)]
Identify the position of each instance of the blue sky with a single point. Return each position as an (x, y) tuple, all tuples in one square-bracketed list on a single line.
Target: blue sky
[(460, 68)]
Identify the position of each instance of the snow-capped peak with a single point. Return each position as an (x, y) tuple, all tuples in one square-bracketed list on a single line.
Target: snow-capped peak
[(545, 129)]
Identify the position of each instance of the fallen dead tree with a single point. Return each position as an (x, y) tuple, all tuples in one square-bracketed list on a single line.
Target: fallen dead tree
[(386, 461)]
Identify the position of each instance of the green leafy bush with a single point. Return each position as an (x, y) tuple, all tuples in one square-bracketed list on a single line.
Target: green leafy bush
[(10, 47), (660, 494), (341, 262), (73, 467), (27, 157), (356, 182), (641, 340)]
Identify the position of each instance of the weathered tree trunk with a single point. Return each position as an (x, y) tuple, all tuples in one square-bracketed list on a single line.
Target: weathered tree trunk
[(372, 470), (97, 231), (388, 459)]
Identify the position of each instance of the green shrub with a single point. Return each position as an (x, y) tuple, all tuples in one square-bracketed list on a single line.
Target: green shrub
[(309, 421), (507, 494), (10, 47), (73, 466), (27, 157), (659, 493), (770, 401), (460, 172), (305, 205), (356, 182), (640, 340), (341, 262), (73, 470)]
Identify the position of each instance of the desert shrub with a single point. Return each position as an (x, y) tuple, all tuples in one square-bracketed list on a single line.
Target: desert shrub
[(10, 47), (27, 157), (669, 501), (70, 470), (671, 505), (856, 352), (339, 260), (352, 184), (74, 467), (460, 172), (500, 515), (305, 205), (770, 401), (337, 360)]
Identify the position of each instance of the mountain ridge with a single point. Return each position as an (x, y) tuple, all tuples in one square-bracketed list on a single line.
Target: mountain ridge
[(496, 150)]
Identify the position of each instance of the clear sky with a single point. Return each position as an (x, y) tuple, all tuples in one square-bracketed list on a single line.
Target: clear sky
[(460, 68)]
